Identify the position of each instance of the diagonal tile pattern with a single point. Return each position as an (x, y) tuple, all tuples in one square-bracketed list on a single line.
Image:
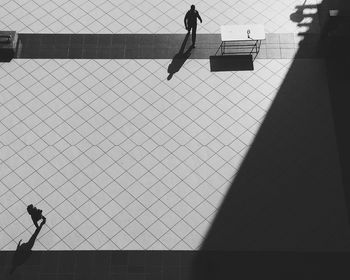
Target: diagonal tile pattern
[(117, 156), (150, 16)]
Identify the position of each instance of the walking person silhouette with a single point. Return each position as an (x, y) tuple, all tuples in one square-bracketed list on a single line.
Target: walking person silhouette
[(191, 23)]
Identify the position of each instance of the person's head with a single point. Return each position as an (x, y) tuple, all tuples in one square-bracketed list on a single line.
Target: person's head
[(192, 7), (30, 208)]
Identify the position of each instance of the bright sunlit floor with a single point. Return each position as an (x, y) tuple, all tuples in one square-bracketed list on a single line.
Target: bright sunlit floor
[(117, 156)]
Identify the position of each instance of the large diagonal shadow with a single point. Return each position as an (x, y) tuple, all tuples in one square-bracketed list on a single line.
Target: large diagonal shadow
[(288, 194)]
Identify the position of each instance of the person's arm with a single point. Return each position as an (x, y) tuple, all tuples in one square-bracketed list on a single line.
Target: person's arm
[(186, 20), (199, 17), (43, 221)]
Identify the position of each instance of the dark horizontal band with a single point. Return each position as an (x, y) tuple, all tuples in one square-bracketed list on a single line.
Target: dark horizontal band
[(149, 46)]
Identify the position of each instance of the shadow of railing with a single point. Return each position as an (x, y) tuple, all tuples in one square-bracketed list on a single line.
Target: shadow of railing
[(304, 17), (231, 63)]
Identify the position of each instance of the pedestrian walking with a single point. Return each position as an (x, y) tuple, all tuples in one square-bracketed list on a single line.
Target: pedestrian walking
[(191, 23)]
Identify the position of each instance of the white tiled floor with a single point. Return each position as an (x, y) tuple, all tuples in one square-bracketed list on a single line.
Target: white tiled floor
[(148, 16), (117, 156)]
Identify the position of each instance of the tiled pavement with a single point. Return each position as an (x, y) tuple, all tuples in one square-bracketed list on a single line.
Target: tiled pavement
[(112, 144), (118, 156), (150, 16)]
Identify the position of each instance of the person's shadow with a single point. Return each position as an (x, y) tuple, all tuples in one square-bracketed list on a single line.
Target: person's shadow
[(179, 59), (24, 250)]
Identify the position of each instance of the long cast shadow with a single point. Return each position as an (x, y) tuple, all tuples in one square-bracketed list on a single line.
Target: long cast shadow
[(336, 39), (179, 59), (288, 195), (24, 250)]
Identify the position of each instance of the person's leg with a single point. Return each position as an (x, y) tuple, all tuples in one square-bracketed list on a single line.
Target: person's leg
[(32, 239), (194, 31), (189, 29)]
